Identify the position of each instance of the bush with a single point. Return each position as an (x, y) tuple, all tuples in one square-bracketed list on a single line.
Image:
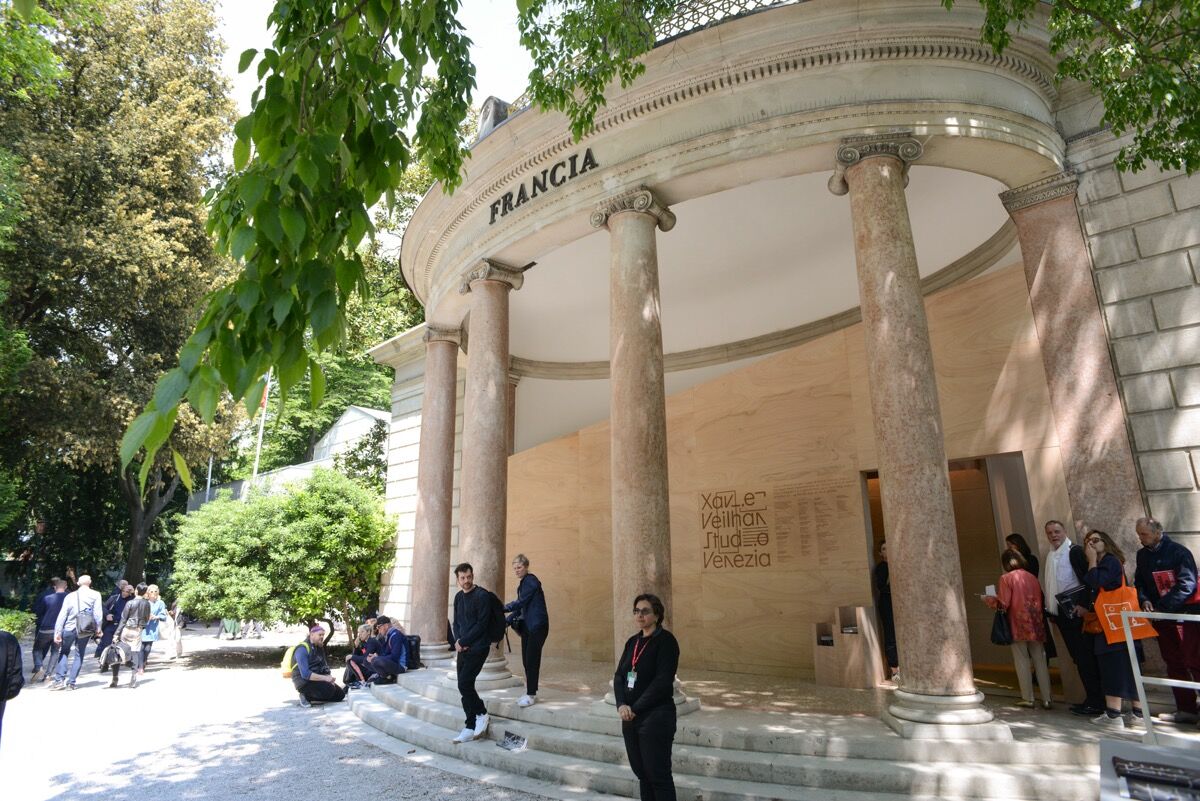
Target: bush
[(15, 621)]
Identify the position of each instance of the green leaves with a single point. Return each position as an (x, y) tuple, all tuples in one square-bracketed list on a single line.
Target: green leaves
[(24, 8), (246, 59)]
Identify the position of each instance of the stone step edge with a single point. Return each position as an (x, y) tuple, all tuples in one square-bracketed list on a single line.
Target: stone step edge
[(599, 777), (971, 780), (1016, 752)]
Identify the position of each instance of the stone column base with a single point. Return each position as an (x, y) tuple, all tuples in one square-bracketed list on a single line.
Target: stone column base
[(437, 655), (943, 717), (494, 676)]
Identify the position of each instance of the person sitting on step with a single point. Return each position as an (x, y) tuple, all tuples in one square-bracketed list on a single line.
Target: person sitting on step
[(358, 669), (392, 658)]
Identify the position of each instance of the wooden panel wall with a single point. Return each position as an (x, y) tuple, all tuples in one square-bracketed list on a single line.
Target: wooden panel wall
[(786, 427)]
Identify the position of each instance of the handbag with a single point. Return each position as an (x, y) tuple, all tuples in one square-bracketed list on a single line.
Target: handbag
[(84, 626), (1001, 631), (1109, 606), (1091, 621)]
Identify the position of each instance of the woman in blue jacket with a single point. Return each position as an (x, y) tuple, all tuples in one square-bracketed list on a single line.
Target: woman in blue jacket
[(158, 612), (529, 618), (1106, 571)]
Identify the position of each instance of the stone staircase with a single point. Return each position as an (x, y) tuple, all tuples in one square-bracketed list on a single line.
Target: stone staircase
[(731, 755)]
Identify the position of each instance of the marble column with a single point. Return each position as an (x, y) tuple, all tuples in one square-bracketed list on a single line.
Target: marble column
[(1090, 421), (483, 507), (641, 525), (937, 697), (435, 494)]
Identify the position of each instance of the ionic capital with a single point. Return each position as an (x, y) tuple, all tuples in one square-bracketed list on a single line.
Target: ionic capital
[(899, 145), (435, 334), (490, 270), (640, 200), (1062, 184)]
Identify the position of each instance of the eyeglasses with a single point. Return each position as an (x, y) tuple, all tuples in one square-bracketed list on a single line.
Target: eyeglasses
[(643, 612)]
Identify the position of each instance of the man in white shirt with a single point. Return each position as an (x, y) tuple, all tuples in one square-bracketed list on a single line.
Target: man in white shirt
[(1065, 566), (78, 622)]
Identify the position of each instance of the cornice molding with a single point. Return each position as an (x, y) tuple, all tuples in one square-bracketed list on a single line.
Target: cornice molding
[(640, 200), (1063, 184), (920, 48), (972, 264), (899, 145), (492, 270)]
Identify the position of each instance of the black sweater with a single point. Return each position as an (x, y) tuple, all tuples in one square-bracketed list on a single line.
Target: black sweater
[(656, 668), (471, 612)]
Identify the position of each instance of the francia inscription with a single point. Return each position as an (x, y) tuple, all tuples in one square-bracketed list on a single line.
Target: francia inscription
[(550, 178)]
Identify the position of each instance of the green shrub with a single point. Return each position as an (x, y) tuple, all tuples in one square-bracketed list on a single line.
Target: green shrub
[(16, 621)]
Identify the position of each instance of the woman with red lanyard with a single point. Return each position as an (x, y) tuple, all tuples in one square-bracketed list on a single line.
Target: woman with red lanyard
[(644, 686)]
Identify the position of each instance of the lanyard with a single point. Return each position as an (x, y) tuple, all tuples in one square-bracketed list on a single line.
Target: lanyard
[(637, 652)]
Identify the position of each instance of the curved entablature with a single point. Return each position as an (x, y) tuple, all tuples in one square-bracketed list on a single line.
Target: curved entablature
[(756, 98)]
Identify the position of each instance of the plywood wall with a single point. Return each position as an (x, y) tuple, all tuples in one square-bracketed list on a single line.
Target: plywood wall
[(789, 435)]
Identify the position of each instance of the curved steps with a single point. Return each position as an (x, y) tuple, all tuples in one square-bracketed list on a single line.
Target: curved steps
[(569, 746)]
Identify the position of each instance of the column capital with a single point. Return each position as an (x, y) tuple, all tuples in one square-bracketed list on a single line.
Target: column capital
[(641, 200), (1061, 184), (899, 145), (435, 334), (491, 270)]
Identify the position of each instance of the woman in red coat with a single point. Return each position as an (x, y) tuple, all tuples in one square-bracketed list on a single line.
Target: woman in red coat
[(1020, 596)]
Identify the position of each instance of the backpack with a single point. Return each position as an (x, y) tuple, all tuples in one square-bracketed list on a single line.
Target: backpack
[(84, 626), (496, 621), (289, 659), (414, 652)]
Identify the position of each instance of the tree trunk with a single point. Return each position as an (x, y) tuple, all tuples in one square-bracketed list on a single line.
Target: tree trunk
[(142, 516)]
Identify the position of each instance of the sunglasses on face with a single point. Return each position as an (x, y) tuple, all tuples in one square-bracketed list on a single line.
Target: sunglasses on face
[(643, 612)]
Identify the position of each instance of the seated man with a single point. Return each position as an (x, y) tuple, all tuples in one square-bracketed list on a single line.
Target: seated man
[(392, 658), (311, 676)]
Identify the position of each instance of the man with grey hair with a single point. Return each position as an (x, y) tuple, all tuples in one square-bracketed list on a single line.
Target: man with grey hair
[(78, 622), (1166, 582)]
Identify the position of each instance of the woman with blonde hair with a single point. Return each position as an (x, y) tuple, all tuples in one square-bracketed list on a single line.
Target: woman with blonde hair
[(134, 616), (150, 634), (358, 668)]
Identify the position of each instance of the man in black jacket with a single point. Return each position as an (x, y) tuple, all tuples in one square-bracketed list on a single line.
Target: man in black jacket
[(11, 672), (472, 610), (1063, 572), (1166, 582)]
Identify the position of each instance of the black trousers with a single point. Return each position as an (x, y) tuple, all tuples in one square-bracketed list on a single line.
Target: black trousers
[(386, 668), (648, 740), (468, 665), (531, 656), (1079, 645), (321, 691)]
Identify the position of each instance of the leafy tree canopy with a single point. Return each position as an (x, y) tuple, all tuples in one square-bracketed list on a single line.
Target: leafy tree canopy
[(314, 552), (1141, 58)]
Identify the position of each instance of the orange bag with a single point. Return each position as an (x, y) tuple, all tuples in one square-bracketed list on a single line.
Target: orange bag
[(1109, 606)]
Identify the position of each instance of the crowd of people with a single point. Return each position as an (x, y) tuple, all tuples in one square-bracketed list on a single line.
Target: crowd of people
[(124, 628), (1076, 580)]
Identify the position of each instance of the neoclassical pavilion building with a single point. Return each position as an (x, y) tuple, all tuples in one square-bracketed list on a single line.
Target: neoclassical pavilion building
[(827, 272)]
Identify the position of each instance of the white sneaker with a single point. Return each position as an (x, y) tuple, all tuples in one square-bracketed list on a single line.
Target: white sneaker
[(1109, 723), (481, 725), (527, 700), (464, 736)]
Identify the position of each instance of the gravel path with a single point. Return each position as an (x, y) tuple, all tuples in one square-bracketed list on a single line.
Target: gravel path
[(221, 723)]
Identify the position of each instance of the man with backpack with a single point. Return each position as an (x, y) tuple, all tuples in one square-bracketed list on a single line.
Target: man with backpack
[(311, 675), (478, 623), (78, 622)]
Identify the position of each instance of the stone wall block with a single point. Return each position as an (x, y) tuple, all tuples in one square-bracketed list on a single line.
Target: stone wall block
[(1147, 277), (1187, 386), (1186, 192), (1178, 308), (1147, 393), (1129, 319), (1195, 459), (1194, 255), (1123, 210), (1109, 250), (1176, 232), (1178, 511), (1151, 175), (1098, 184), (1167, 471), (1165, 430), (1163, 351)]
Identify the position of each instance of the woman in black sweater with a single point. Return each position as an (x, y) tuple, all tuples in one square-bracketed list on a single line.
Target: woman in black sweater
[(644, 688)]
